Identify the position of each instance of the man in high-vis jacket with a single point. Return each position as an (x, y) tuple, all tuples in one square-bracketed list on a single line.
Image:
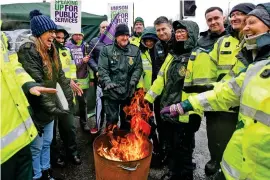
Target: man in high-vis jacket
[(17, 127), (211, 70), (138, 30)]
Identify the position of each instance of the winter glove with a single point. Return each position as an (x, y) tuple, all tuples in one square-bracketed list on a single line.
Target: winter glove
[(174, 110), (132, 88), (110, 86), (177, 109)]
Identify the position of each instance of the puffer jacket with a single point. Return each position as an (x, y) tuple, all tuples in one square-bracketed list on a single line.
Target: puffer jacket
[(207, 39), (44, 106)]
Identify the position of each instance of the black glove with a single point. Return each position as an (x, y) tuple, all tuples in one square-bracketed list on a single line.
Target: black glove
[(132, 88), (110, 86)]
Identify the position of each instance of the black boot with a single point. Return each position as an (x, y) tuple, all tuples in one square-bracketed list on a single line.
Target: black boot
[(49, 174), (211, 167), (58, 162)]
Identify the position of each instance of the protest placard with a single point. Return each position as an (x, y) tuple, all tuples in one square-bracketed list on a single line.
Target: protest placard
[(67, 13), (125, 11)]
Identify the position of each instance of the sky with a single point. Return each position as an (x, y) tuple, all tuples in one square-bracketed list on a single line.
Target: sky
[(149, 10)]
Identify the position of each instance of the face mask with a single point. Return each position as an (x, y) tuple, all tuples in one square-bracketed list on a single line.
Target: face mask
[(251, 42)]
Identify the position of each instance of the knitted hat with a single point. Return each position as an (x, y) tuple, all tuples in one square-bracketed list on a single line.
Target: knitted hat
[(261, 12), (121, 29), (243, 7), (40, 23), (139, 19)]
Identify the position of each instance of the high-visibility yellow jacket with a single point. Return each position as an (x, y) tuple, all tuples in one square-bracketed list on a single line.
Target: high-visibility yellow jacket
[(68, 65), (17, 127), (247, 155), (135, 40), (146, 78)]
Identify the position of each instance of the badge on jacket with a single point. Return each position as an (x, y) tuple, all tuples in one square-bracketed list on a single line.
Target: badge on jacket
[(182, 71), (130, 61), (64, 54)]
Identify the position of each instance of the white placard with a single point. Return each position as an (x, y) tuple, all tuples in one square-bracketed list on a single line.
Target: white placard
[(125, 11), (67, 13)]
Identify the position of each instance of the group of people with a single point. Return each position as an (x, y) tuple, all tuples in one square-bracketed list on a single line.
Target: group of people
[(222, 74)]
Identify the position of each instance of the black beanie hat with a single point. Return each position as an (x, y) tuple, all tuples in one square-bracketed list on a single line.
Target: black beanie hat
[(178, 25), (243, 7), (121, 29)]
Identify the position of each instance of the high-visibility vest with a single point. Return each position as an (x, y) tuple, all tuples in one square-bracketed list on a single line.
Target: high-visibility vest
[(68, 65), (247, 155), (17, 127), (146, 78), (135, 40)]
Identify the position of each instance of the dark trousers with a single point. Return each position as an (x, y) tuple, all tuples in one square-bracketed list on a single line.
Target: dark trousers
[(67, 131), (19, 166), (161, 126), (220, 127), (82, 100), (114, 109)]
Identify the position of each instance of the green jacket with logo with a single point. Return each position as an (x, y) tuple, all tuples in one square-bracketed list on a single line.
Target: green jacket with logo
[(122, 66)]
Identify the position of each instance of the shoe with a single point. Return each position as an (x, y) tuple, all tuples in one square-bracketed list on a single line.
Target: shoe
[(85, 127), (50, 174), (59, 162), (76, 160), (93, 130), (211, 167)]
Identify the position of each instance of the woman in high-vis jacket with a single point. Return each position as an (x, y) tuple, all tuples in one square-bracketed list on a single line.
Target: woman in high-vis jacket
[(247, 155)]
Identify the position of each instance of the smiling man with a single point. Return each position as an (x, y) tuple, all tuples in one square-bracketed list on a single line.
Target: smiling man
[(120, 68), (138, 29)]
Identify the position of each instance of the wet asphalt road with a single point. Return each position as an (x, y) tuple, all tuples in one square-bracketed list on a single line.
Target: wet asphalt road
[(86, 171)]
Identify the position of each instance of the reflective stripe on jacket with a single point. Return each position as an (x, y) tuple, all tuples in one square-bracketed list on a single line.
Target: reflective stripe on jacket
[(68, 65), (146, 78)]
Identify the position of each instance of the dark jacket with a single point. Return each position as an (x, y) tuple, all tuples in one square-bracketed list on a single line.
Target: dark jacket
[(44, 106), (93, 62), (161, 51), (122, 66), (207, 39)]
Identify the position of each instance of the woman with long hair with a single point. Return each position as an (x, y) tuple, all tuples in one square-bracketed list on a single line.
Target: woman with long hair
[(40, 59)]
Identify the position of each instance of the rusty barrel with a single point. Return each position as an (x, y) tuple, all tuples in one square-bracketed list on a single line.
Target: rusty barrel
[(114, 170)]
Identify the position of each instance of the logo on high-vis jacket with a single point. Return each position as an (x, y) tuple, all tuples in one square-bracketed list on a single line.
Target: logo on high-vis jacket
[(182, 71)]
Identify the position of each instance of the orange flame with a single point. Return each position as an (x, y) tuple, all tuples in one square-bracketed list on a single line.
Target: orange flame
[(134, 145)]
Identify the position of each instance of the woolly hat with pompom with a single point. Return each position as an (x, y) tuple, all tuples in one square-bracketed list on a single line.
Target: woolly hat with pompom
[(40, 23)]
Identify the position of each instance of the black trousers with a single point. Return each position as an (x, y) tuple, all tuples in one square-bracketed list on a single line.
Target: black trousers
[(114, 110), (67, 131), (19, 166), (82, 100), (220, 127)]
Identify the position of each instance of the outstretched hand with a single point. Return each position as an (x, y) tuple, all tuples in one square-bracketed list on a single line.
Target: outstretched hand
[(37, 90)]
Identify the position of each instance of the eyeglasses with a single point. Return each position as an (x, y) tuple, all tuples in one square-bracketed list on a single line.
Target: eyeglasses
[(103, 27), (181, 31), (237, 14)]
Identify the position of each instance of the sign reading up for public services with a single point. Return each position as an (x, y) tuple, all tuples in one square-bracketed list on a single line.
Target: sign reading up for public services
[(125, 11), (67, 13)]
